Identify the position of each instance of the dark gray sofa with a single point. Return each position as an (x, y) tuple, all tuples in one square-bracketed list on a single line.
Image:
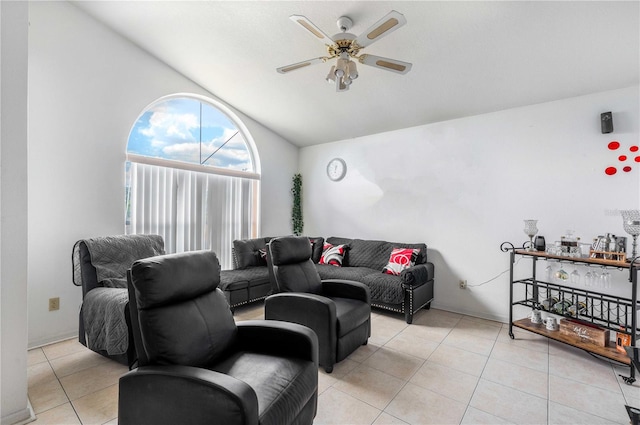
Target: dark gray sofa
[(248, 281), (363, 262)]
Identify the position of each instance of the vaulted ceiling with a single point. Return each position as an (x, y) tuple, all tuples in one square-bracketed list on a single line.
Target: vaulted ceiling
[(468, 58)]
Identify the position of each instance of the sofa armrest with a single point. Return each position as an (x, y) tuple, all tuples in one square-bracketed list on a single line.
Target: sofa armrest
[(311, 310), (417, 275), (346, 289), (184, 394), (279, 338)]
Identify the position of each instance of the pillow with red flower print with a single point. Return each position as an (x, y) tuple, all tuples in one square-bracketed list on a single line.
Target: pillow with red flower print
[(332, 255), (400, 259)]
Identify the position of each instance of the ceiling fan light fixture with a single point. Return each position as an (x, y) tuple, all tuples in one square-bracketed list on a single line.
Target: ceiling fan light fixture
[(340, 85), (331, 76), (352, 71), (346, 48), (341, 67)]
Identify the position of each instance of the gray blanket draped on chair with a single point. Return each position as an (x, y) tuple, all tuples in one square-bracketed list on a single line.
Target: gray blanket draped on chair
[(104, 307)]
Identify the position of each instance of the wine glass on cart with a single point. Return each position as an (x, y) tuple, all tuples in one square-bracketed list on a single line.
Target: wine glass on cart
[(530, 229)]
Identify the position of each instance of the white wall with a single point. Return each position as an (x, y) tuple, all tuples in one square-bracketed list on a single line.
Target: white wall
[(464, 186), (13, 212), (87, 87)]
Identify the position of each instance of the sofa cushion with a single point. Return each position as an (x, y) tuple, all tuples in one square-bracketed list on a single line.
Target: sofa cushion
[(332, 255), (374, 254), (371, 254), (246, 252), (237, 279), (385, 287), (327, 271), (400, 259), (283, 385)]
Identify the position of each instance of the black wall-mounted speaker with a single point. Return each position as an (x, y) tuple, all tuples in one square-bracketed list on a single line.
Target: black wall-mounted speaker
[(606, 122)]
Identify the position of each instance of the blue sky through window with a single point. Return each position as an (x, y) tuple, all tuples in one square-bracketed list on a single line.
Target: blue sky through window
[(188, 130)]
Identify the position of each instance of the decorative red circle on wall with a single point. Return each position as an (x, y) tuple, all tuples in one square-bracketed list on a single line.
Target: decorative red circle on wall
[(637, 159), (613, 145), (610, 171), (622, 158), (633, 149), (626, 169)]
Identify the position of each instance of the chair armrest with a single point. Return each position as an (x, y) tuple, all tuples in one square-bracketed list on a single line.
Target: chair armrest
[(346, 289), (311, 310), (184, 394), (278, 338), (417, 275)]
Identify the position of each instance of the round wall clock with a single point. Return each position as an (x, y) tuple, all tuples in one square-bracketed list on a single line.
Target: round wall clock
[(336, 169)]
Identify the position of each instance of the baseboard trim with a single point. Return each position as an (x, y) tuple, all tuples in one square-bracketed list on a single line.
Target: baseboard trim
[(454, 309), (52, 340), (21, 417)]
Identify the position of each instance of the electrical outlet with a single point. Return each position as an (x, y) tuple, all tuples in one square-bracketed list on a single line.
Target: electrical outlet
[(54, 304), (463, 284)]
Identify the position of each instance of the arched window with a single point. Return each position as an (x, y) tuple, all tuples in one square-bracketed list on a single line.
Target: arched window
[(192, 176)]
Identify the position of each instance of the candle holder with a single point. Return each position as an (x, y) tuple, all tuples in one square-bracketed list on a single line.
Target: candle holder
[(631, 224), (530, 229)]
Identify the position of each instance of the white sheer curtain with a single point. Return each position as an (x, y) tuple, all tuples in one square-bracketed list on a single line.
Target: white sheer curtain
[(192, 210)]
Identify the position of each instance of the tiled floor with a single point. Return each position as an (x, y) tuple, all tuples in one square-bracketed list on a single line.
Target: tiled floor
[(443, 369)]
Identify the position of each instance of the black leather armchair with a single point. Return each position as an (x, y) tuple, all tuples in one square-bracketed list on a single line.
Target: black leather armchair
[(197, 366), (338, 311)]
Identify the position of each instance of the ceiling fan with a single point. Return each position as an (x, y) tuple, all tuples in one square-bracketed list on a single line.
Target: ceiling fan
[(346, 46)]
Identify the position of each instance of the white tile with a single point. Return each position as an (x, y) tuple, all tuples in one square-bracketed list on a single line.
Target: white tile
[(518, 377), (93, 379), (426, 332), (35, 356), (325, 381), (383, 331), (394, 363), (363, 352), (485, 329), (417, 405), (459, 359), (466, 340), (336, 407), (341, 369), (75, 362), (63, 414), (475, 416), (438, 318), (416, 347), (564, 415), (580, 366), (587, 398), (387, 419), (446, 381), (521, 356), (63, 348), (98, 407), (509, 404), (370, 385)]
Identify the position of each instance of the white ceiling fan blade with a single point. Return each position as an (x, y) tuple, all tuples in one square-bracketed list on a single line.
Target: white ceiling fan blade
[(387, 64), (385, 26), (294, 66), (309, 26)]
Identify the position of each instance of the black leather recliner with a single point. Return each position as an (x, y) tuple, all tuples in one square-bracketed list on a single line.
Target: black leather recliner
[(197, 366), (338, 311)]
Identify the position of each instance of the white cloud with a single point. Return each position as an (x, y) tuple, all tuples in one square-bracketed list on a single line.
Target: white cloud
[(165, 127)]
